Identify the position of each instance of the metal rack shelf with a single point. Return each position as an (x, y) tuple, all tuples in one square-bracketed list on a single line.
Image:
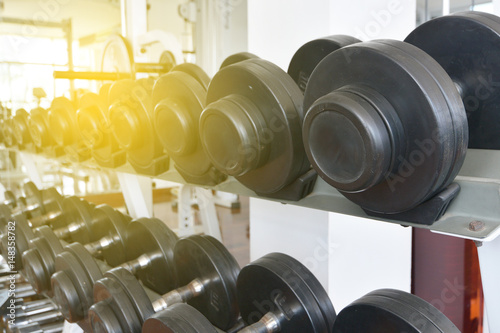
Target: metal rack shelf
[(478, 200)]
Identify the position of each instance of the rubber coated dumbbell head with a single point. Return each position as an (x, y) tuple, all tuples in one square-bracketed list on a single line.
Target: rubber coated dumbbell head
[(390, 311), (178, 318), (251, 127), (280, 290), (95, 127), (132, 125), (38, 128), (20, 127), (467, 46), (179, 99), (381, 128), (39, 260), (72, 284), (149, 252), (309, 55)]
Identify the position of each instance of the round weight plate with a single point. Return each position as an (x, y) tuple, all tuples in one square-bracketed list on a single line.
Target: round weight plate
[(20, 127), (374, 313), (297, 100), (309, 55), (194, 71), (10, 199), (37, 125), (237, 57), (457, 42), (436, 317), (9, 138), (91, 121), (33, 197), (171, 321), (102, 318), (455, 105), (72, 286), (134, 291), (46, 233), (39, 260), (315, 287), (423, 112), (77, 211), (179, 101), (167, 59), (52, 204), (132, 125), (108, 222), (117, 55), (23, 236), (197, 258), (113, 307), (270, 286), (62, 122), (185, 313), (154, 238), (277, 135)]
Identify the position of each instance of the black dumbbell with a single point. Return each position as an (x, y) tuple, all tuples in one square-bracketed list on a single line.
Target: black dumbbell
[(276, 293), (38, 125), (149, 249), (251, 129), (130, 116), (384, 125), (207, 273), (64, 129), (467, 46), (103, 236), (309, 55), (179, 98), (392, 311), (95, 128), (21, 130), (9, 139)]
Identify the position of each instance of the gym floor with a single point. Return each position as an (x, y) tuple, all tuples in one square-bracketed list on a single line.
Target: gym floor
[(234, 224)]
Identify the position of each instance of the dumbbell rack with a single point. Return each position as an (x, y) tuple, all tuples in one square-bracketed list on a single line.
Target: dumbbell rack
[(473, 214)]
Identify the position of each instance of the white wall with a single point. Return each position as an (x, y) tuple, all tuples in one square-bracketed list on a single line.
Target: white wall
[(361, 255)]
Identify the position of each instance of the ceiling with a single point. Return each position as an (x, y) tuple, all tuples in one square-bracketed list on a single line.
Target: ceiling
[(88, 16)]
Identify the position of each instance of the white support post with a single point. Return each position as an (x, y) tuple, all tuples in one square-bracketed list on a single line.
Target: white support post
[(188, 195), (185, 211), (138, 194), (28, 160), (489, 254), (208, 214)]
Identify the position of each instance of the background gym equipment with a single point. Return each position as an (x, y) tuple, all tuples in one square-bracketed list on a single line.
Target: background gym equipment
[(95, 128), (64, 129), (387, 145), (117, 63), (308, 56), (392, 311), (207, 273), (179, 98), (251, 129), (467, 46), (131, 118)]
